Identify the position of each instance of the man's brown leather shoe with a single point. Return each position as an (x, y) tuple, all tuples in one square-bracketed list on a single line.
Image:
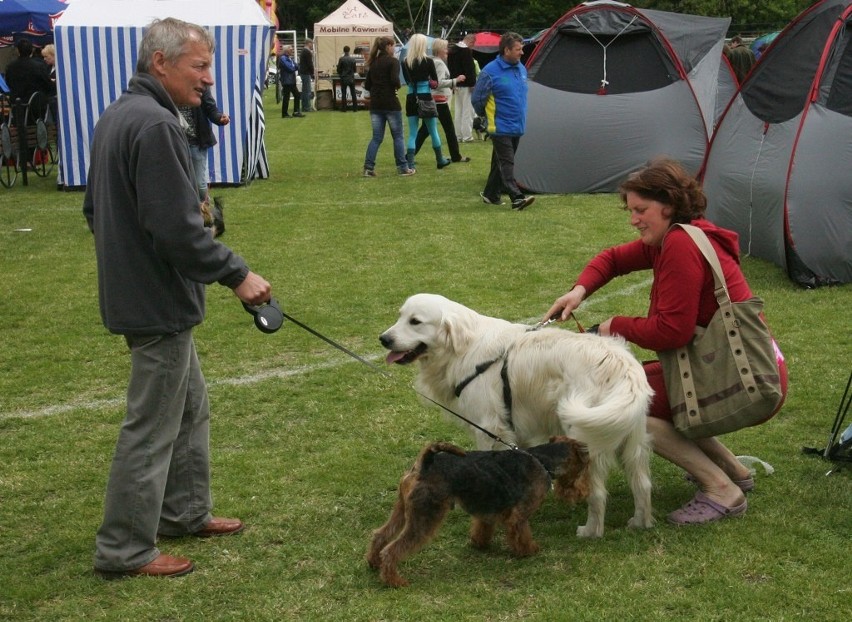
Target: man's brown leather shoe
[(220, 527), (162, 566)]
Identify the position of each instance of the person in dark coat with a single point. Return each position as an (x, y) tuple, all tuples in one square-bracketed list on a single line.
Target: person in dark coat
[(382, 84), (346, 69), (306, 73), (741, 57), (27, 75)]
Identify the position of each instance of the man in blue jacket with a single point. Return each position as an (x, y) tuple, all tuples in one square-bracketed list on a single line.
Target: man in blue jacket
[(287, 70), (501, 95)]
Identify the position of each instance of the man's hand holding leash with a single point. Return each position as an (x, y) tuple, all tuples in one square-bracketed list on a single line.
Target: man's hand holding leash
[(254, 289)]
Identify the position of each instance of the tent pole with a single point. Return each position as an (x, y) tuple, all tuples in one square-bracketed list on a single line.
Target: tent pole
[(458, 17), (379, 11), (429, 20)]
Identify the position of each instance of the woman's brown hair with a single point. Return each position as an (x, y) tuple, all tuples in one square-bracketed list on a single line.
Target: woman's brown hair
[(666, 181), (380, 45)]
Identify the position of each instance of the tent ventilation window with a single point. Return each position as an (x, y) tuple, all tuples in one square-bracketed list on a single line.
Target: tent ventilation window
[(604, 81)]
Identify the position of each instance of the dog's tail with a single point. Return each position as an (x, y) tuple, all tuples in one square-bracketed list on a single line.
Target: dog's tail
[(428, 453), (608, 423)]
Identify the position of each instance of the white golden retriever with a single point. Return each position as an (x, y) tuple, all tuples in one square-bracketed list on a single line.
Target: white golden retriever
[(527, 385)]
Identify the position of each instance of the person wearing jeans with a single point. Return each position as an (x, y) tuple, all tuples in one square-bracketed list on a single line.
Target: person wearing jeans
[(306, 73), (201, 137), (382, 83)]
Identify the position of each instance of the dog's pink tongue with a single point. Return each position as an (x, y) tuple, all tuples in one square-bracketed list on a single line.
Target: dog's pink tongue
[(393, 357)]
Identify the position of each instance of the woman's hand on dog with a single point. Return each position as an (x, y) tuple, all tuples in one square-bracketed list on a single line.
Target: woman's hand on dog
[(603, 328), (564, 306)]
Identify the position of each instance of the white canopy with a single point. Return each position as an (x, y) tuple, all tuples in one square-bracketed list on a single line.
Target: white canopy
[(351, 24), (353, 19)]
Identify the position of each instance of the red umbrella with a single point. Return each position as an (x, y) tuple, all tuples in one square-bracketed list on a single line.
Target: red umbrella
[(487, 42)]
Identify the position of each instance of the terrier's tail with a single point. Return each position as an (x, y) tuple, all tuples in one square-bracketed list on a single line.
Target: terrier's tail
[(428, 453)]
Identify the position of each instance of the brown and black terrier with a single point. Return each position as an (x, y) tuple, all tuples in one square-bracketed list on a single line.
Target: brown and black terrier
[(492, 486)]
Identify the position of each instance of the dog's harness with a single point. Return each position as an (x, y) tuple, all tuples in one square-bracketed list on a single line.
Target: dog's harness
[(504, 375), (504, 371)]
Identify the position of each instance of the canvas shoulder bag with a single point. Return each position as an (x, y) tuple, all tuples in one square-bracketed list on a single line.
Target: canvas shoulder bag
[(726, 378)]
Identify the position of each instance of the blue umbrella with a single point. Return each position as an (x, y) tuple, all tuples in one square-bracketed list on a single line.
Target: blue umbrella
[(29, 16), (764, 40)]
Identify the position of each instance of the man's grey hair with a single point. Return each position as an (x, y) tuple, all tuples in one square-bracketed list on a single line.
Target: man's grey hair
[(170, 36)]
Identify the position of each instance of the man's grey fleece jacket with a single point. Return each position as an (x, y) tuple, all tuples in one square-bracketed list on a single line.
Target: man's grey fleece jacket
[(153, 253)]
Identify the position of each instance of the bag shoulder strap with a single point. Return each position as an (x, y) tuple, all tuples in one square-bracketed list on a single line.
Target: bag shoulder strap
[(703, 243)]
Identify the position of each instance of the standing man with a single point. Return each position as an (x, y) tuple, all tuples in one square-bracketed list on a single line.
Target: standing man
[(154, 258), (501, 95), (741, 57), (460, 62), (346, 67), (287, 78), (306, 73)]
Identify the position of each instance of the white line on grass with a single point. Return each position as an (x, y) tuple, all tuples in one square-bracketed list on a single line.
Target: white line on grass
[(92, 405)]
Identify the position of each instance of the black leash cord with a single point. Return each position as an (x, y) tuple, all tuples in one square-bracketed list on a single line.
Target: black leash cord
[(336, 345), (384, 373)]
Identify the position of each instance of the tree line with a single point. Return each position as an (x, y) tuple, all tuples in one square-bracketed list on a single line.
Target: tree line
[(749, 17)]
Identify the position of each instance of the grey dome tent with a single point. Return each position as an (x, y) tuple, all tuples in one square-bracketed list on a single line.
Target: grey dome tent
[(779, 168), (612, 86)]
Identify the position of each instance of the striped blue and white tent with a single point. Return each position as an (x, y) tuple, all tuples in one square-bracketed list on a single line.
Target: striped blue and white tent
[(96, 50)]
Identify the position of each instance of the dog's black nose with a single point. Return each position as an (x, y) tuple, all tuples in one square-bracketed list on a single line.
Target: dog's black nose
[(385, 340)]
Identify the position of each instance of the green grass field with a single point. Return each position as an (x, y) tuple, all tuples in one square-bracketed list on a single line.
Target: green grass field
[(308, 444)]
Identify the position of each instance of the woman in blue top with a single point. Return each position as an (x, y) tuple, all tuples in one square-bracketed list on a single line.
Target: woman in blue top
[(418, 70)]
